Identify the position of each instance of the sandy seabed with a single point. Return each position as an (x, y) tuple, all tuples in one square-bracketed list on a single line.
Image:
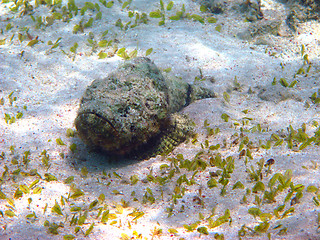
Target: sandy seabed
[(47, 81)]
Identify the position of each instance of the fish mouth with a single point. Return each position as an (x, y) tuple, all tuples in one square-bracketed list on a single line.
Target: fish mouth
[(96, 130), (100, 116)]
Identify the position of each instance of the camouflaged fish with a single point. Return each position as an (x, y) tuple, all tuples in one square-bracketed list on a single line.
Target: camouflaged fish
[(134, 110)]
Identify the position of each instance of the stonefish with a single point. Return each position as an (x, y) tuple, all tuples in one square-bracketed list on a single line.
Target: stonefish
[(134, 110)]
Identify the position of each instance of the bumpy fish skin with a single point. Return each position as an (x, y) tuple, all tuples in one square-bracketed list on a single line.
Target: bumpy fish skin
[(133, 106)]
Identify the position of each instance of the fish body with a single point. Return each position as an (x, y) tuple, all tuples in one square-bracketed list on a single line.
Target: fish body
[(134, 108)]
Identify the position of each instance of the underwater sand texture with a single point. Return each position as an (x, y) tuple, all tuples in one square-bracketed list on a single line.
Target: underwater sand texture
[(159, 198)]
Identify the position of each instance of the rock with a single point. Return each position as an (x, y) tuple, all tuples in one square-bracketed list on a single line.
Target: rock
[(252, 10), (134, 109), (302, 11), (260, 28), (278, 93), (216, 7)]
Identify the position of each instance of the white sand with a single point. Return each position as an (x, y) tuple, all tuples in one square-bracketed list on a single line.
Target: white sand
[(50, 85)]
